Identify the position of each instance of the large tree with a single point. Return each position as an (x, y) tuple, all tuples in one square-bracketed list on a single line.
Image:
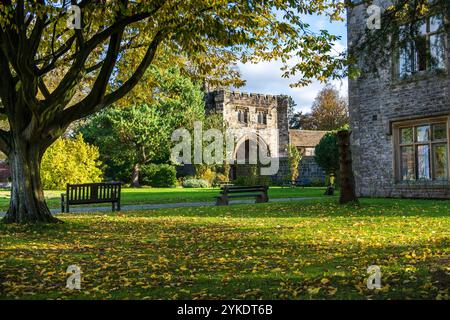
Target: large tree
[(107, 57)]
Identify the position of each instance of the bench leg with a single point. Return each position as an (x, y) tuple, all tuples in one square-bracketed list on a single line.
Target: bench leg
[(262, 198), (62, 203), (222, 201), (113, 206)]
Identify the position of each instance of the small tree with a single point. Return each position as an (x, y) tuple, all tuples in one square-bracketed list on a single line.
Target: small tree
[(130, 137), (327, 154), (70, 161), (329, 111), (294, 158)]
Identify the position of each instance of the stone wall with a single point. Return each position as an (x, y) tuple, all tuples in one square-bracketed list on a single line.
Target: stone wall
[(310, 173), (379, 101)]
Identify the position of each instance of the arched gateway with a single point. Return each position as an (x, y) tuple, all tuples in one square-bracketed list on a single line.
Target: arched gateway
[(261, 126)]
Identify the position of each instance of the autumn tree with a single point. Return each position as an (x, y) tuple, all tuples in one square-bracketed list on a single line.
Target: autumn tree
[(106, 55)]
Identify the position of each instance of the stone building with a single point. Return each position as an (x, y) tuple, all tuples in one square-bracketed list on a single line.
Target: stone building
[(262, 119), (310, 173), (400, 116)]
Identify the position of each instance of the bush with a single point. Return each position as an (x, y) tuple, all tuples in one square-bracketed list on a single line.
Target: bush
[(327, 153), (70, 161), (195, 183), (253, 178), (219, 179), (158, 175), (206, 174)]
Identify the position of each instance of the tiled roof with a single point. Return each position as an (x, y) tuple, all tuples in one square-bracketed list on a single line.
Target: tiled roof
[(305, 138)]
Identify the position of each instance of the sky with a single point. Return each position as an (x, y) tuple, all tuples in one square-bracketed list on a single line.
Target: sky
[(266, 77)]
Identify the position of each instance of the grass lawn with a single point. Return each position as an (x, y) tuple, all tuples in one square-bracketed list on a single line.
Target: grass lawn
[(170, 195), (296, 250)]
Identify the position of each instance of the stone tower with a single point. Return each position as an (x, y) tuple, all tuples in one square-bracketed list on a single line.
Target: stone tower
[(263, 113)]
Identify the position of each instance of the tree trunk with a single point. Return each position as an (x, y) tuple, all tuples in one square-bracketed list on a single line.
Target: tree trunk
[(347, 180), (27, 204), (135, 176)]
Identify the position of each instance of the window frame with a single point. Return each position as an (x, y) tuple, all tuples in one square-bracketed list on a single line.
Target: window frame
[(414, 54), (397, 145), (245, 115), (261, 117)]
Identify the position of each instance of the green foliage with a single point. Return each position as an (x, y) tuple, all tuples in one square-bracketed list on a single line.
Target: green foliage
[(294, 158), (195, 183), (317, 182), (140, 134), (158, 175), (327, 153), (252, 176), (214, 173), (329, 111), (70, 161)]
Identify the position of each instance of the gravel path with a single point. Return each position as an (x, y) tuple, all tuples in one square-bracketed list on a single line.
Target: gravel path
[(137, 207)]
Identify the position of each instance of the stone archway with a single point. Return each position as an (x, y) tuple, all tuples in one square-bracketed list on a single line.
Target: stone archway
[(247, 155)]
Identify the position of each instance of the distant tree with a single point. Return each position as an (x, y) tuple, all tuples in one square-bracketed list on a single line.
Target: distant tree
[(293, 116), (329, 111)]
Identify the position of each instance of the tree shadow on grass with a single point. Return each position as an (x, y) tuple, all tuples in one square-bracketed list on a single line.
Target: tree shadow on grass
[(181, 259)]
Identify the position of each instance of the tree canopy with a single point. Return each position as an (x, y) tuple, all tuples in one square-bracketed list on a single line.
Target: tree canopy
[(327, 153), (131, 136), (329, 111)]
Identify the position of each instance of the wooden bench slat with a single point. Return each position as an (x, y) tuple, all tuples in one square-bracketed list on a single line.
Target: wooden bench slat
[(243, 195), (88, 193), (260, 193)]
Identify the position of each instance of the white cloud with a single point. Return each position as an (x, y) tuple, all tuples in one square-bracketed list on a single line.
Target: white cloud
[(266, 77)]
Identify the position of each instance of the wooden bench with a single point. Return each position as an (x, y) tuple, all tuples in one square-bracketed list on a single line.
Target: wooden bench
[(89, 193), (228, 192)]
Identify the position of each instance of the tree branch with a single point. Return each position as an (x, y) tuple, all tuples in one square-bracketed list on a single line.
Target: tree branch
[(84, 108)]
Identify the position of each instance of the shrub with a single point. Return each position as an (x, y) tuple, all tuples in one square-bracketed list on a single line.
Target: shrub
[(327, 153), (195, 183), (206, 174), (220, 178), (317, 182), (294, 158), (158, 175), (70, 161), (253, 178)]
